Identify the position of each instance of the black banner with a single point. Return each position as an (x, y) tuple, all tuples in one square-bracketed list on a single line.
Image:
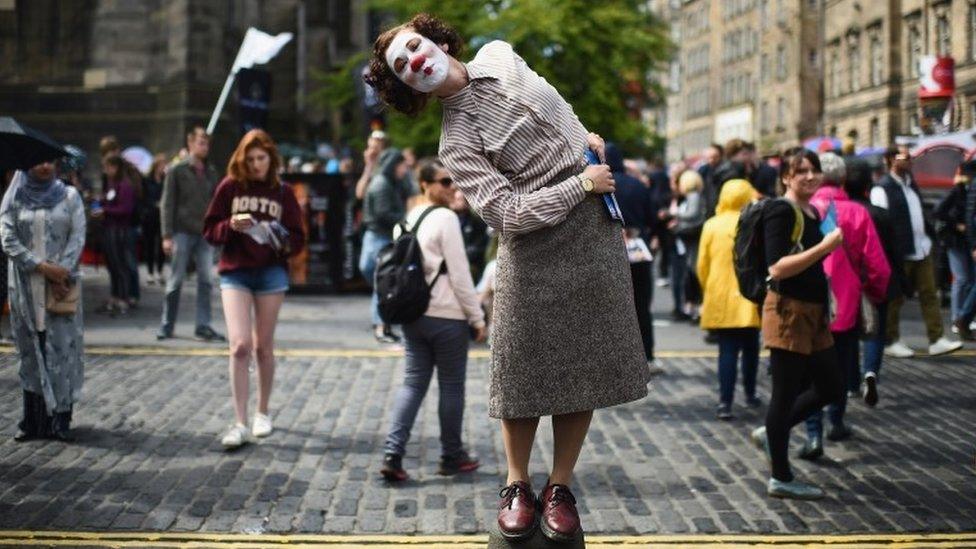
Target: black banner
[(253, 98)]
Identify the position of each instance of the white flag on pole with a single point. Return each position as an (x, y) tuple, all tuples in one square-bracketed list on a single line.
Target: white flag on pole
[(259, 47)]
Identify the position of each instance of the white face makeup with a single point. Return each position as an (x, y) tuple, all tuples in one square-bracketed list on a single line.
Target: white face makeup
[(417, 61)]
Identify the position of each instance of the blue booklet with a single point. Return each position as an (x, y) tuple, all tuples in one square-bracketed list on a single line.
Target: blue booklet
[(829, 222), (609, 199)]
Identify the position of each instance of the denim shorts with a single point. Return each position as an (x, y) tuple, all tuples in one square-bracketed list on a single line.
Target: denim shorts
[(258, 281)]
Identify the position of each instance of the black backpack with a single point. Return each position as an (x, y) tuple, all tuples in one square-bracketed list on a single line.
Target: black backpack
[(749, 252), (399, 282)]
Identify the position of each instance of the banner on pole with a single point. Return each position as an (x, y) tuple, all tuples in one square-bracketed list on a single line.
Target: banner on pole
[(253, 98)]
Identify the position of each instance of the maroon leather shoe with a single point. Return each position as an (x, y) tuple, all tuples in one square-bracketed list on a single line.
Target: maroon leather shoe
[(560, 521), (516, 512)]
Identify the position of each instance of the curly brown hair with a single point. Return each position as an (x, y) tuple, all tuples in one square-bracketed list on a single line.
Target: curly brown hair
[(391, 89)]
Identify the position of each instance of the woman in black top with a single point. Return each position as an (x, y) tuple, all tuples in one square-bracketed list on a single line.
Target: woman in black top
[(795, 319)]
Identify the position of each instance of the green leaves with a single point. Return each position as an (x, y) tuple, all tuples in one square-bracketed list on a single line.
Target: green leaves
[(597, 54)]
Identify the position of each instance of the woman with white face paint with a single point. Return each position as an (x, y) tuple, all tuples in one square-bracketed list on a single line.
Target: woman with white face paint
[(565, 339)]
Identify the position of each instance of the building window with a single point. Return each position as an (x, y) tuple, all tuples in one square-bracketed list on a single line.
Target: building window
[(877, 61), (764, 117), (972, 31), (834, 74), (875, 133), (780, 113), (781, 62), (764, 68), (764, 13), (942, 34), (854, 62), (914, 50)]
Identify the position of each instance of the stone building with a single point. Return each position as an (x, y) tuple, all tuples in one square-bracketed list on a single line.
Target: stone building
[(745, 68), (944, 28), (863, 71), (144, 70), (872, 74)]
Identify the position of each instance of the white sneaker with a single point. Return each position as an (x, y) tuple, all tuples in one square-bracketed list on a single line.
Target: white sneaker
[(261, 427), (236, 437), (943, 346), (900, 350)]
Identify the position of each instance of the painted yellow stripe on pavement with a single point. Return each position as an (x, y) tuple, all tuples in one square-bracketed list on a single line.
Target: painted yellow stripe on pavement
[(181, 540), (151, 350)]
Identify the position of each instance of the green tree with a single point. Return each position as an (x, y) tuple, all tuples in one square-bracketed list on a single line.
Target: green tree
[(599, 55)]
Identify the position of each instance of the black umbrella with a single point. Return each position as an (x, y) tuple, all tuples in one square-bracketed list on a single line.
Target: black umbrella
[(22, 147)]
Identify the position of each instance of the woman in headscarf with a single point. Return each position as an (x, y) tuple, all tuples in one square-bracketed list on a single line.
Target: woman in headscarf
[(42, 228)]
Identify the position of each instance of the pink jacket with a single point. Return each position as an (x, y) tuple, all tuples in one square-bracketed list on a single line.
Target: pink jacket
[(859, 264)]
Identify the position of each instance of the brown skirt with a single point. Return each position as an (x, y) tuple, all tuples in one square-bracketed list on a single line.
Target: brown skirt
[(565, 337), (795, 325)]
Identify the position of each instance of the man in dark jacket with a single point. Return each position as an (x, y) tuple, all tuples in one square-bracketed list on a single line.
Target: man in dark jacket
[(640, 220), (764, 176), (897, 192), (187, 190)]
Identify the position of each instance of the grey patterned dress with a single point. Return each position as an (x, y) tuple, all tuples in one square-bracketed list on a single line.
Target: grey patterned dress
[(566, 337), (59, 378)]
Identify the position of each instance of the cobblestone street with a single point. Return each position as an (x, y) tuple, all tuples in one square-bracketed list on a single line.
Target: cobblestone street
[(148, 457)]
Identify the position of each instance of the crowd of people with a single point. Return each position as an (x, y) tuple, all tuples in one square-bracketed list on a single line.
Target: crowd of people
[(842, 249)]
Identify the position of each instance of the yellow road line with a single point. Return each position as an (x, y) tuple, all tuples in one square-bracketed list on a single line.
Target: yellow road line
[(151, 350), (186, 540)]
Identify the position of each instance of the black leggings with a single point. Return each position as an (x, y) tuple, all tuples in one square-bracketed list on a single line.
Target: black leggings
[(152, 243), (114, 243), (642, 275), (801, 384)]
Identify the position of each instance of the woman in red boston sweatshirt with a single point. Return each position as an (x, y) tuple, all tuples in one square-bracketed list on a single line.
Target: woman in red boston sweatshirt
[(258, 222)]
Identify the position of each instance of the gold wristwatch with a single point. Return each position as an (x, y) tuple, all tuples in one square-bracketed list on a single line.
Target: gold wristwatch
[(587, 184)]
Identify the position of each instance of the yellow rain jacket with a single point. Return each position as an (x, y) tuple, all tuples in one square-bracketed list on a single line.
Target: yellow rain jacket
[(723, 305)]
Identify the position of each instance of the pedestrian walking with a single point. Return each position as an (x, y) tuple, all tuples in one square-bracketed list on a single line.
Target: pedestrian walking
[(688, 211), (951, 214), (187, 190), (898, 193), (858, 184), (795, 323), (857, 269), (967, 310), (559, 348), (639, 211), (734, 319), (117, 204), (108, 146), (152, 241), (713, 156), (257, 221), (42, 228), (439, 338), (384, 206)]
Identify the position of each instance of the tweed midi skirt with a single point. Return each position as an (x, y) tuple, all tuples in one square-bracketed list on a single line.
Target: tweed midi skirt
[(565, 337)]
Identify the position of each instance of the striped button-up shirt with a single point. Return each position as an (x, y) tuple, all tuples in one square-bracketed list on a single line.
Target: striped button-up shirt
[(505, 137)]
